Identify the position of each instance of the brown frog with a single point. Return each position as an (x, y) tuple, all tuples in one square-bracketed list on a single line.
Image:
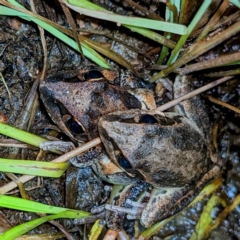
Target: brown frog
[(171, 152), (85, 96), (167, 151), (75, 100)]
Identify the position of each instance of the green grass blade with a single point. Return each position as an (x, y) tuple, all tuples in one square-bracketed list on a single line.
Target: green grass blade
[(101, 13), (169, 16), (206, 217), (32, 206), (21, 229), (31, 167), (96, 230), (143, 31), (21, 135), (190, 28), (87, 51), (152, 35), (235, 2)]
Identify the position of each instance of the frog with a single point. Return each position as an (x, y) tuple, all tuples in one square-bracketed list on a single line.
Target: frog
[(76, 99), (167, 153), (172, 152)]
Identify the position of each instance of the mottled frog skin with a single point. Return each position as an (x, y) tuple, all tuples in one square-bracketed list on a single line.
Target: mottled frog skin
[(161, 152), (75, 100), (68, 95), (169, 151)]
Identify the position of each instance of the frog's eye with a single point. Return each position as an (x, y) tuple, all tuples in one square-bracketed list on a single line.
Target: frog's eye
[(75, 127), (123, 162), (92, 74), (148, 119)]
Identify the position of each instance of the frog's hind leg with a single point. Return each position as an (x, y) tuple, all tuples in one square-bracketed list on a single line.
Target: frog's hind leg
[(165, 202)]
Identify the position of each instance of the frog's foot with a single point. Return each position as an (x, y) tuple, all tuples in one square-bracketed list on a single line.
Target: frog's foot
[(57, 145), (132, 213), (165, 202), (115, 215)]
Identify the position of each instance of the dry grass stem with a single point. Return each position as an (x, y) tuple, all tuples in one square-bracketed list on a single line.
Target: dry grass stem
[(223, 104), (193, 93), (3, 80), (25, 178), (218, 61)]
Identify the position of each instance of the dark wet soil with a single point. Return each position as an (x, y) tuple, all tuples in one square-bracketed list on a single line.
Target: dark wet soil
[(21, 61)]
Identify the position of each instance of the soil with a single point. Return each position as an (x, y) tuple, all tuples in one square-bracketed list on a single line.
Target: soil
[(21, 62)]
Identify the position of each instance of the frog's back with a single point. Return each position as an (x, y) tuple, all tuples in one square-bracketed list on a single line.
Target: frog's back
[(193, 108)]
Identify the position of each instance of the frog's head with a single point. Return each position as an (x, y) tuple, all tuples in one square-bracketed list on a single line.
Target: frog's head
[(60, 98), (68, 96), (76, 100)]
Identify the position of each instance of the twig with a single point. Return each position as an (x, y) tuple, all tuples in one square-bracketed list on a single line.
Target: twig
[(14, 143), (223, 73), (193, 93), (72, 24), (44, 44), (5, 84), (221, 103), (214, 19), (145, 12), (111, 235), (217, 62), (198, 49), (25, 178)]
